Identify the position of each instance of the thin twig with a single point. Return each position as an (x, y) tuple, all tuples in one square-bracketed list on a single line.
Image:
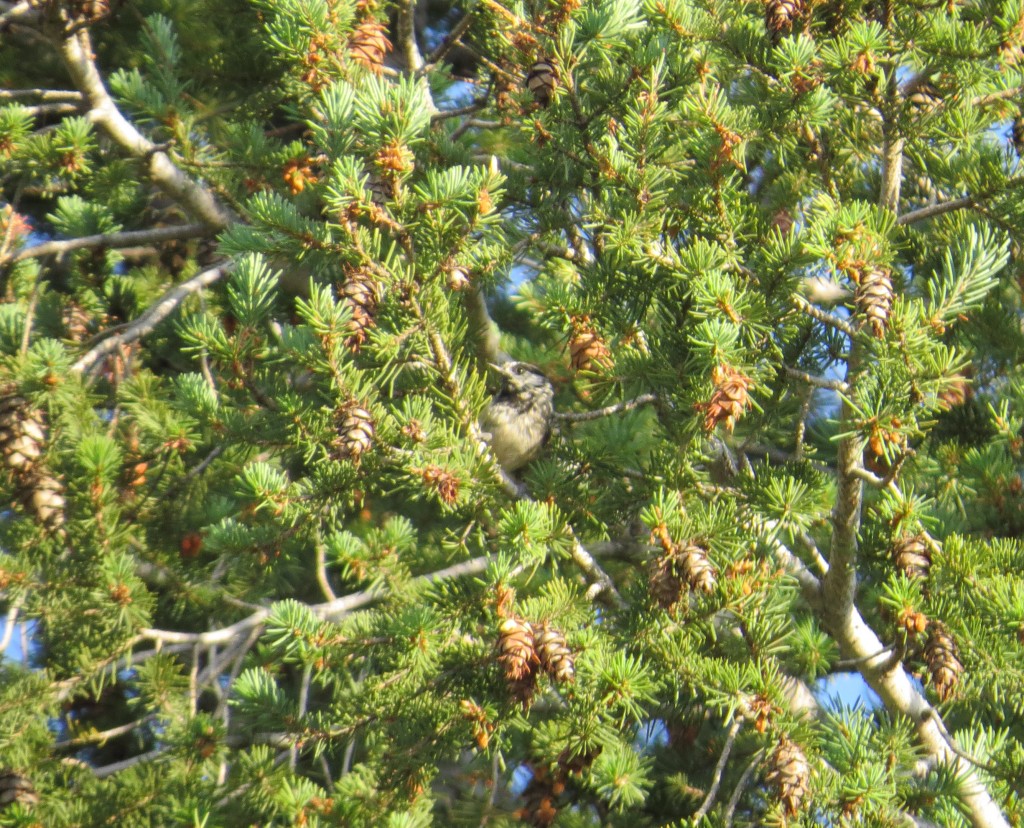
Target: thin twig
[(446, 45), (608, 410), (101, 736), (45, 95), (817, 382), (933, 210), (716, 778), (153, 316), (741, 786)]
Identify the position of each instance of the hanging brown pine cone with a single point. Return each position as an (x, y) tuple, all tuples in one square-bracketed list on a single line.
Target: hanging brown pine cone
[(554, 656), (380, 189), (874, 296), (540, 797), (368, 44), (1017, 133), (15, 788), (517, 654), (361, 292), (541, 80), (356, 431), (912, 556), (695, 568), (517, 650), (729, 400), (780, 17), (789, 774), (924, 97), (943, 659), (682, 567), (22, 441), (587, 348)]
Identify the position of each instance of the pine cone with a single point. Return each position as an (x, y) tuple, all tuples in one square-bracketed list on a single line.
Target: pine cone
[(943, 660), (925, 97), (15, 788), (664, 584), (694, 567), (541, 80), (912, 556), (517, 649), (729, 400), (541, 799), (874, 296), (554, 656), (1017, 132), (368, 44), (587, 348), (780, 16), (361, 293), (380, 190), (356, 431), (679, 568), (789, 774), (22, 438)]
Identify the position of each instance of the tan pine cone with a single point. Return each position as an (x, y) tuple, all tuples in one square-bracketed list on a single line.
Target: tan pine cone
[(22, 441), (361, 293), (356, 431), (925, 97), (873, 297), (517, 651), (1018, 134), (368, 44), (780, 16), (912, 556), (15, 788), (587, 348), (554, 656), (541, 80), (942, 657), (663, 582), (789, 774), (729, 400), (695, 568)]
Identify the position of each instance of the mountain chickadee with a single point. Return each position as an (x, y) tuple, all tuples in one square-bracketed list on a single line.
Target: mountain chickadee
[(518, 420)]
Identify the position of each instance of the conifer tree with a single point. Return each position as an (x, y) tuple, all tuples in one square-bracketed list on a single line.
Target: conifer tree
[(258, 564)]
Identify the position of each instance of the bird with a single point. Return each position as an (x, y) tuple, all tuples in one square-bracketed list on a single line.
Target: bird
[(517, 422)]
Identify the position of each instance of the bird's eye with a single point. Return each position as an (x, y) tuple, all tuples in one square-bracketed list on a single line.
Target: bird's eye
[(520, 369)]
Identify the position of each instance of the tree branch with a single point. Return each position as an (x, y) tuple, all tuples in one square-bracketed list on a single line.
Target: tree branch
[(77, 51), (817, 382), (458, 30), (716, 779), (614, 408), (407, 35), (153, 316), (825, 317), (128, 238)]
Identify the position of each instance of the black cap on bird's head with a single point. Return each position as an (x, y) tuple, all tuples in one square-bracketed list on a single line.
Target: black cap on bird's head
[(521, 377)]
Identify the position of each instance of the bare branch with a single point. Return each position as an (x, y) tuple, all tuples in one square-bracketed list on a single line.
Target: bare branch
[(741, 786), (128, 238), (817, 313), (44, 95), (153, 316), (933, 210), (458, 30), (608, 410), (197, 200), (716, 778), (817, 382)]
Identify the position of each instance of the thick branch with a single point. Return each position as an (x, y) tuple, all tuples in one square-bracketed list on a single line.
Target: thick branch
[(196, 199), (825, 317), (129, 238), (933, 210), (407, 35), (153, 316), (817, 382)]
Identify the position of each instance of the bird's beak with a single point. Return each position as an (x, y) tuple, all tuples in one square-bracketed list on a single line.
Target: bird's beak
[(501, 369)]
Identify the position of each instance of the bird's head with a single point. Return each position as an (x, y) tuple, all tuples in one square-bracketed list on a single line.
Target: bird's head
[(521, 379)]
